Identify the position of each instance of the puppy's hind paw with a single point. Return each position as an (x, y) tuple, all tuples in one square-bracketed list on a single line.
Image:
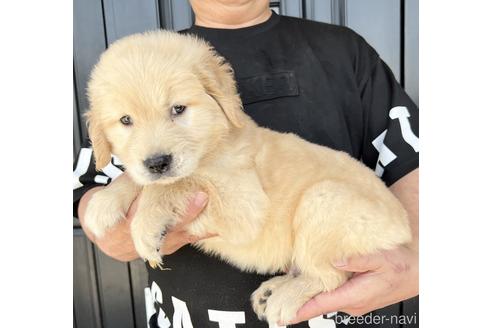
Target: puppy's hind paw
[(260, 297), (259, 302)]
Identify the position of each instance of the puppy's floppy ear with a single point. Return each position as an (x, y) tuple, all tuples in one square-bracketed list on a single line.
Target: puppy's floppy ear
[(217, 77), (100, 145)]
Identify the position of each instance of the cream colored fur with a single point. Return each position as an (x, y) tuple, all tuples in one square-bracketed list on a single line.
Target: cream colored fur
[(277, 202)]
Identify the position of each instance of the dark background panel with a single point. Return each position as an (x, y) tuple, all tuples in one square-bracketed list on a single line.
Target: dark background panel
[(319, 10), (378, 21), (411, 48), (115, 292), (176, 15), (86, 307), (125, 17), (77, 133), (89, 41), (138, 280)]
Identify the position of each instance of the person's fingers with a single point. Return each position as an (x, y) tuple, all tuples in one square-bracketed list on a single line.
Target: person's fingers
[(367, 292), (360, 263), (208, 235), (193, 239), (169, 248), (177, 239), (195, 206), (169, 243), (133, 208), (325, 303), (356, 312), (351, 297)]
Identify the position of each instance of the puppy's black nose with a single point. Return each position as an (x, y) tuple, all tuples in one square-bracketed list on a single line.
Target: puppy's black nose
[(158, 163)]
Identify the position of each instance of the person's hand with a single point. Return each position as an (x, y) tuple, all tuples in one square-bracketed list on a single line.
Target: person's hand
[(177, 236), (380, 280), (117, 242)]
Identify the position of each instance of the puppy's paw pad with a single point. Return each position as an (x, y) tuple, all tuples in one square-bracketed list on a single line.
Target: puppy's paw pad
[(259, 304), (260, 297)]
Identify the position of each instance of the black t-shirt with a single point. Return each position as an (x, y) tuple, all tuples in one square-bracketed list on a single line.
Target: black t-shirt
[(327, 85)]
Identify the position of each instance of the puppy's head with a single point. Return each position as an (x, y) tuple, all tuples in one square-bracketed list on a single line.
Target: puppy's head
[(161, 102)]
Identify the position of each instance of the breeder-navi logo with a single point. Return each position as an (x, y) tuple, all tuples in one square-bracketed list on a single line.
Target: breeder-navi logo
[(375, 319)]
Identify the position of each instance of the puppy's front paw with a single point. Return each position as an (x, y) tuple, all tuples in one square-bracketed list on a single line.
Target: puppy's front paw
[(147, 240), (103, 211)]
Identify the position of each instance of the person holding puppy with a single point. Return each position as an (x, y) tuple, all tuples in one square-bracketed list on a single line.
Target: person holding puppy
[(326, 84)]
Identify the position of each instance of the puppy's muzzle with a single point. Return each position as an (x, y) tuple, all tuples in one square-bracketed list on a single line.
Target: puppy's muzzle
[(159, 163)]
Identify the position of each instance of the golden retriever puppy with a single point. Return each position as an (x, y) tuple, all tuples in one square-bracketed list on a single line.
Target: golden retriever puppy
[(167, 106)]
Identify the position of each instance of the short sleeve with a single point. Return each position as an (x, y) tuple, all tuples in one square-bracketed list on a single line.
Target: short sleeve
[(85, 176), (391, 119)]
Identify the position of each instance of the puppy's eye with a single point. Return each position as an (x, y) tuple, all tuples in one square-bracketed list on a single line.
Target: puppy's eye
[(178, 109), (126, 120)]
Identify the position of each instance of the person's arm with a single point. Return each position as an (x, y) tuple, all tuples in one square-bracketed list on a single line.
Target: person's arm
[(390, 146), (117, 242), (381, 279), (86, 177), (407, 191)]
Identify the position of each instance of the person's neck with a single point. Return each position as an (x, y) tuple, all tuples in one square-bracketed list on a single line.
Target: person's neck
[(230, 16)]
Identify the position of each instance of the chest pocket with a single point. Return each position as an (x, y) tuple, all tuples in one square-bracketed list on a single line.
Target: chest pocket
[(268, 86)]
